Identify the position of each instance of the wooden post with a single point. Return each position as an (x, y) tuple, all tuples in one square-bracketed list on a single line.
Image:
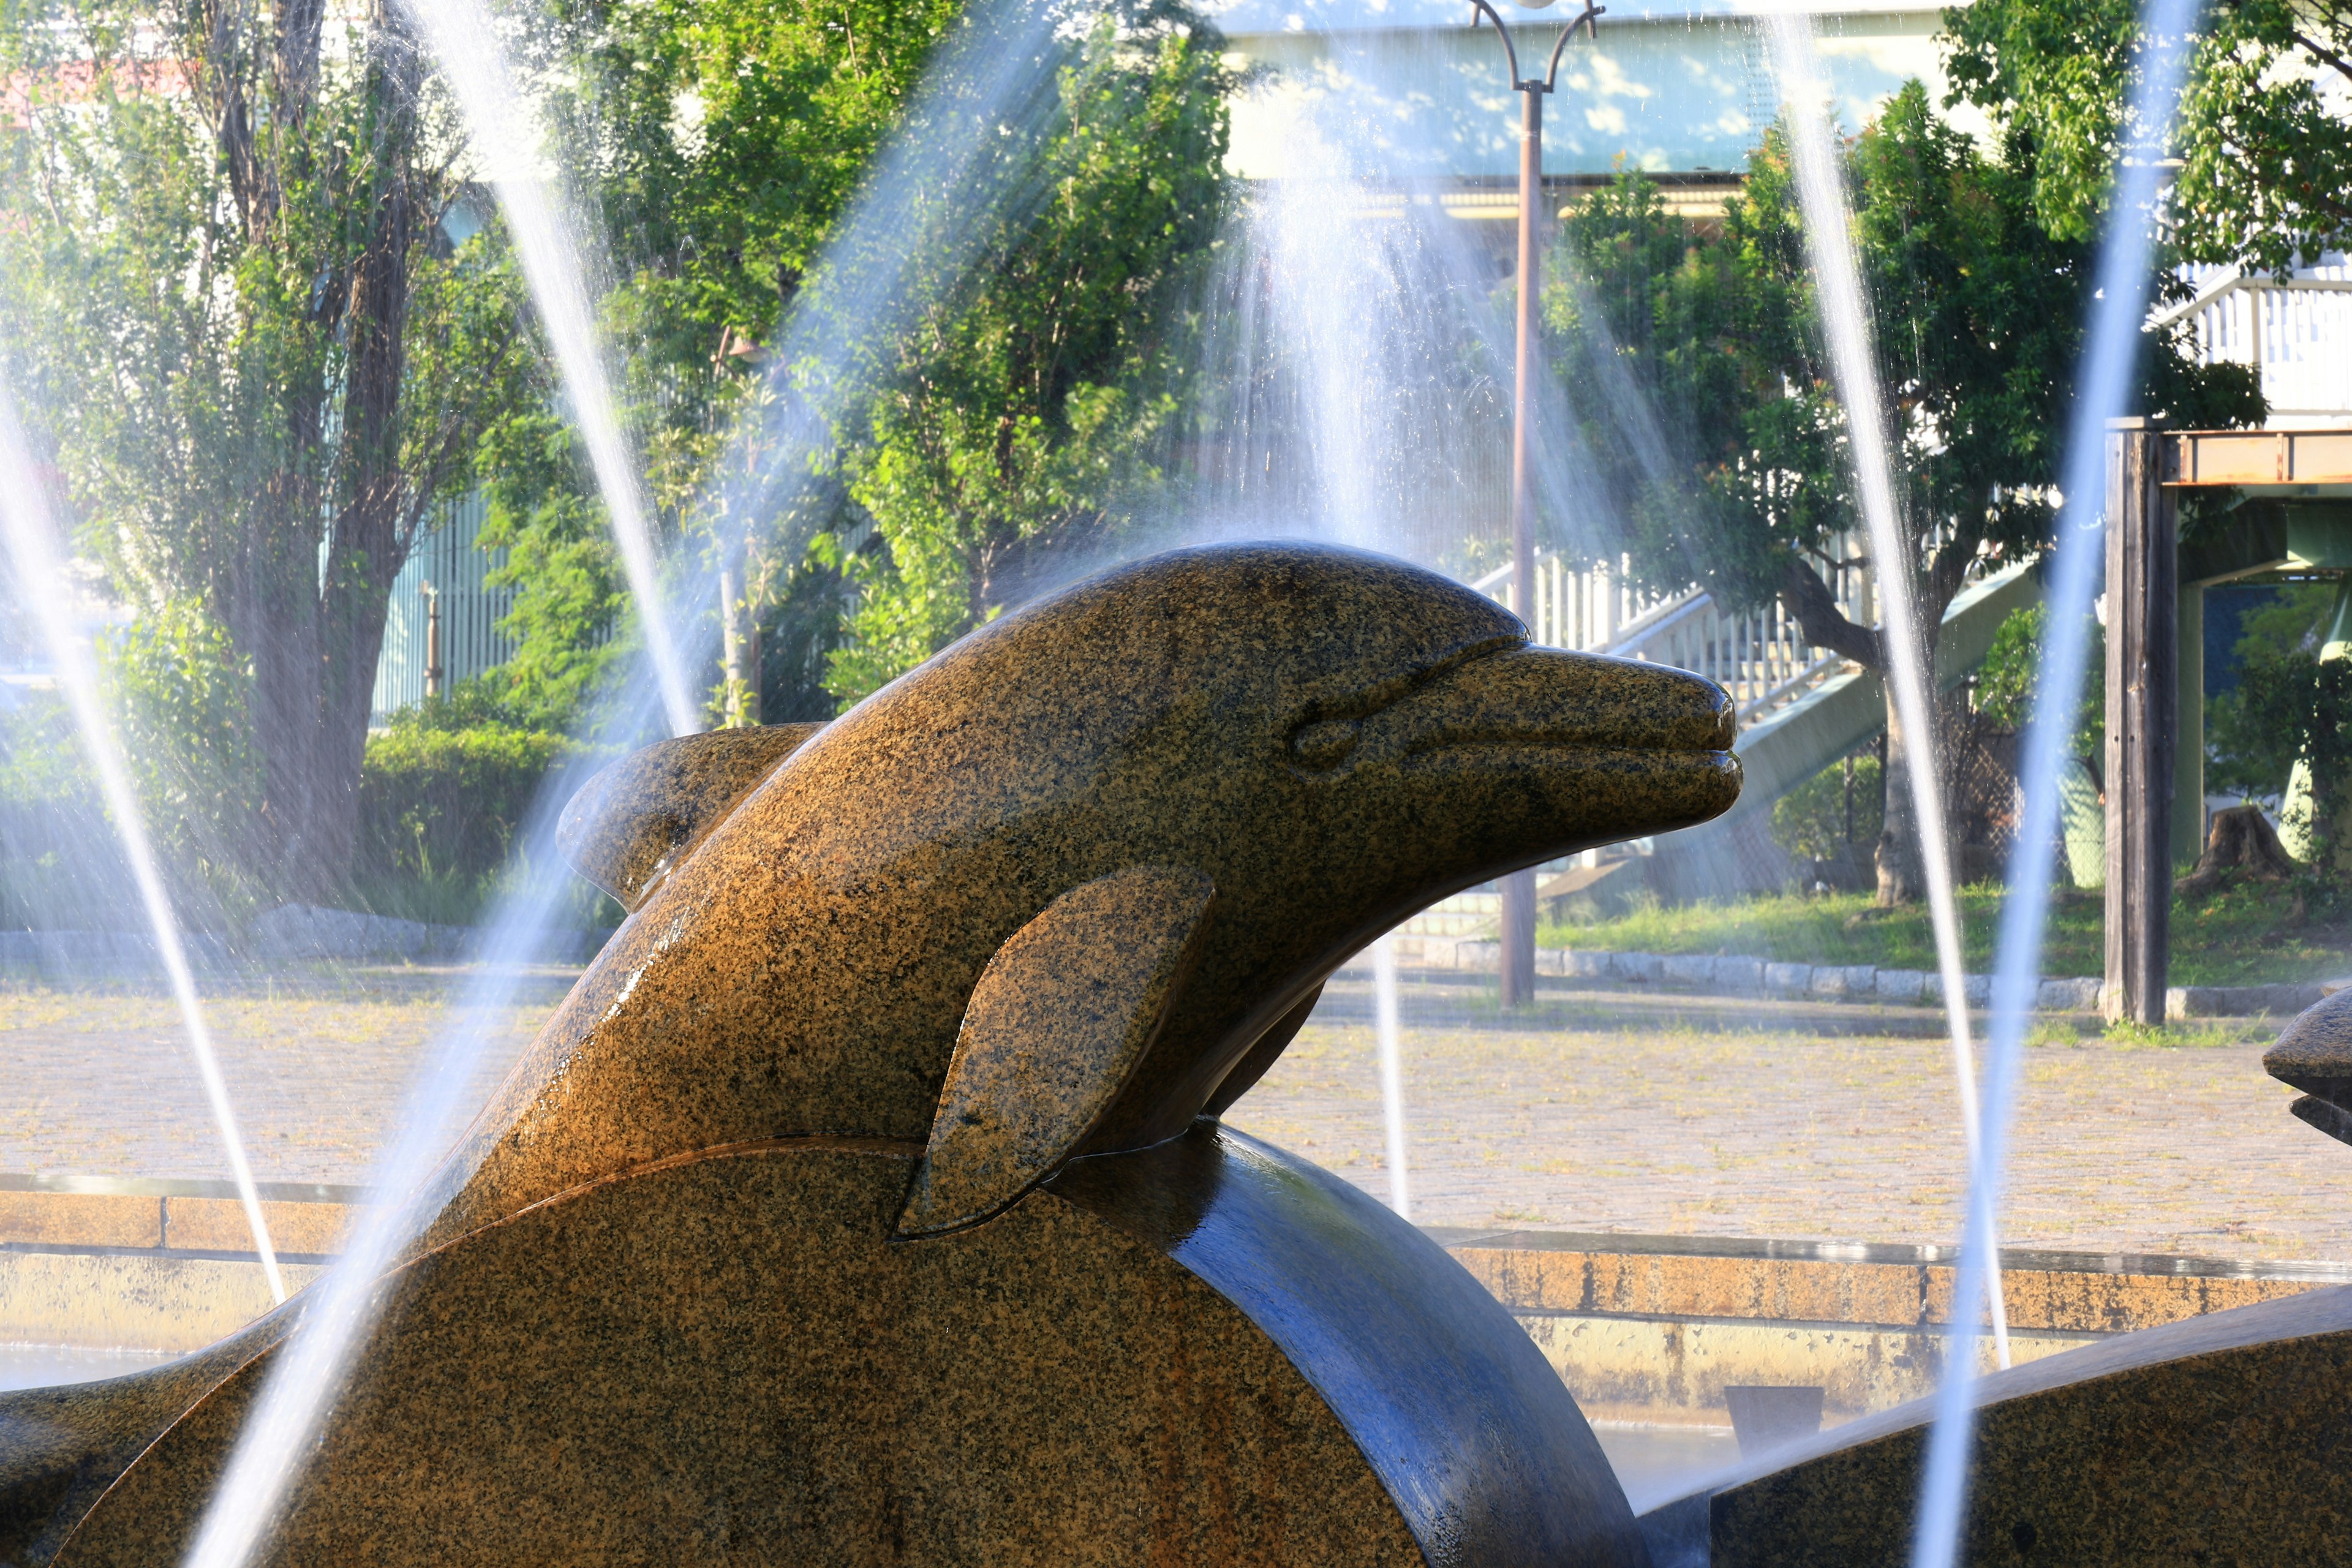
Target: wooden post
[(2142, 656)]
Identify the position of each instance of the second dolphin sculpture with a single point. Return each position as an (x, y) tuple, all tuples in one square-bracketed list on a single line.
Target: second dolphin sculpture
[(866, 1201)]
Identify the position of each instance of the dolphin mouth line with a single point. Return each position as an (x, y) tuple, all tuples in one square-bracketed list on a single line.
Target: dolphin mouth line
[(1497, 699), (1581, 748)]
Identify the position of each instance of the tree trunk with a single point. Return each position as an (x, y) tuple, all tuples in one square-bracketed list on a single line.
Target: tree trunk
[(1903, 842), (1901, 855), (1901, 863), (318, 595)]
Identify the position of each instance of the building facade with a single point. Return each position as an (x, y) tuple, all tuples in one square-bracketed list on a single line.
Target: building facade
[(444, 614)]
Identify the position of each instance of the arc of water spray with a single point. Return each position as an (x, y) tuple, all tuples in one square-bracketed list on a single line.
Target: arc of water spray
[(1390, 1035), (33, 554), (997, 72), (547, 241), (2119, 314), (1846, 322)]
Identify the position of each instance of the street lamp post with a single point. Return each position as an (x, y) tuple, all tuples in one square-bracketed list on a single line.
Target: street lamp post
[(1518, 944)]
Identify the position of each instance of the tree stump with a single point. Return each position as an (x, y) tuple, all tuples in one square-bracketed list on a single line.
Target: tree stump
[(2240, 838)]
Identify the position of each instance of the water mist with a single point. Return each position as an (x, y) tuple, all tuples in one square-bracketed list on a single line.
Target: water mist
[(1846, 322), (1391, 1046), (954, 165), (33, 556), (547, 238), (2103, 388)]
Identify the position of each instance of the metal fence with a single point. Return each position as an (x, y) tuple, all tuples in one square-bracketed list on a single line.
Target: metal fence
[(2298, 332), (448, 560)]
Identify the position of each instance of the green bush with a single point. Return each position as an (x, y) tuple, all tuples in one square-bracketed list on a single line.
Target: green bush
[(60, 867), (440, 810), (1810, 821), (182, 709), (2012, 677)]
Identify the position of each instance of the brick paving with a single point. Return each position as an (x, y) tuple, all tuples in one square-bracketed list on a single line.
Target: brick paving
[(1605, 1113), (1742, 1120), (99, 1083)]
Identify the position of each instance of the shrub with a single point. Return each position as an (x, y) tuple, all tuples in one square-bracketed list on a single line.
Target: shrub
[(1810, 821), (2012, 677), (60, 864), (445, 805)]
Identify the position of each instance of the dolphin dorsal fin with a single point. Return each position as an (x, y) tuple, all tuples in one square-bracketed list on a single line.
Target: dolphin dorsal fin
[(641, 815), (1060, 1018)]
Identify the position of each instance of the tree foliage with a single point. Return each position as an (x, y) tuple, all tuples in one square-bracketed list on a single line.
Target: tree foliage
[(2255, 733), (1977, 319), (2010, 683), (2262, 138), (1032, 401), (1007, 420), (257, 360)]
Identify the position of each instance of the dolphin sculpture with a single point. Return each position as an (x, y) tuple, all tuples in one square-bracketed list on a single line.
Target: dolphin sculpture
[(865, 1200)]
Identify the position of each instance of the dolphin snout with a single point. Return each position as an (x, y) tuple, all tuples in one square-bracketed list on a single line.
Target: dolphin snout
[(1523, 697)]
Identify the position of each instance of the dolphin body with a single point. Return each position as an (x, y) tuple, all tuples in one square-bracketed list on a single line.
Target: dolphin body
[(938, 1005)]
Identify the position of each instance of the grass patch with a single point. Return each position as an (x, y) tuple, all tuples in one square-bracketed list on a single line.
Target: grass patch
[(2122, 1034), (2245, 935)]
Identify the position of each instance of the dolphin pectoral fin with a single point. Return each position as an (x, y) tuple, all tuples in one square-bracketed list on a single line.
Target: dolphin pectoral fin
[(1054, 1028), (634, 821)]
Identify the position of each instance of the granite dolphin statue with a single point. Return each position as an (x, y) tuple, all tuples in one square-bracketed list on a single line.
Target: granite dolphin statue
[(938, 1005), (1277, 751)]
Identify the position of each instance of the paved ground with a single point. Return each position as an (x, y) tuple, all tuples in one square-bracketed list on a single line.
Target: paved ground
[(1622, 1113), (1743, 1119), (100, 1083)]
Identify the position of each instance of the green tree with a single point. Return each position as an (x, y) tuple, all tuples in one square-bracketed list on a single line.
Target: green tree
[(2255, 732), (1716, 336), (1030, 402), (2265, 148), (1010, 417), (255, 357)]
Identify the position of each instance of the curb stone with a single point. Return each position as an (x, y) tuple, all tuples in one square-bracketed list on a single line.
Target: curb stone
[(1743, 976)]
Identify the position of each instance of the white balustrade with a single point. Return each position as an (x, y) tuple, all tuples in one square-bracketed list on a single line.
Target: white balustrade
[(2298, 333), (1760, 657)]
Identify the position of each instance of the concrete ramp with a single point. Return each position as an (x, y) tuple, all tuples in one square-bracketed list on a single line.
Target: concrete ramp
[(1735, 853)]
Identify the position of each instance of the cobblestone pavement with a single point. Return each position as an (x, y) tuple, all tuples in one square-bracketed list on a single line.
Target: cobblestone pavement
[(1604, 1113), (1736, 1119), (100, 1082)]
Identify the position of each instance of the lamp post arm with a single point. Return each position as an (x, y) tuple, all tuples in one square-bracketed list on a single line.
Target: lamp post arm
[(1591, 22), (1480, 8)]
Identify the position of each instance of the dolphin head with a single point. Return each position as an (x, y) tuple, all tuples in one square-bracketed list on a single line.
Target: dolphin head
[(1192, 787)]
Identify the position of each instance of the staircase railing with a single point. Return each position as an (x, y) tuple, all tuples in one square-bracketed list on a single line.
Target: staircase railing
[(2297, 333), (1761, 658)]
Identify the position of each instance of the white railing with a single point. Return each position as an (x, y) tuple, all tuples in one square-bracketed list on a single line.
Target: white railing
[(1761, 658), (2297, 333)]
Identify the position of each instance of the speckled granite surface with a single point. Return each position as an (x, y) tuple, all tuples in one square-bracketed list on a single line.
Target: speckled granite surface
[(2224, 1439), (636, 819), (2313, 1053), (1055, 1029), (725, 1361), (1332, 739)]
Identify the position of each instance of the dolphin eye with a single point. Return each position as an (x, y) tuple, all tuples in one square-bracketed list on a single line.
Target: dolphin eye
[(1326, 744)]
